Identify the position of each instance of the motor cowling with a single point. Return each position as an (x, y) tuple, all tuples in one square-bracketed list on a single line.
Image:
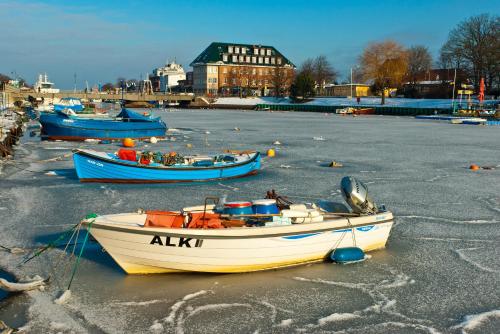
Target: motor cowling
[(355, 193)]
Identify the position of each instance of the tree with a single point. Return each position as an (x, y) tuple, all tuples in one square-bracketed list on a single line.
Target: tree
[(385, 64), (280, 80), (473, 46), (107, 87), (4, 78), (303, 86), (419, 60), (323, 72)]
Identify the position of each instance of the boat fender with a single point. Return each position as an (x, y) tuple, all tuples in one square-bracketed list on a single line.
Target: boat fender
[(346, 255)]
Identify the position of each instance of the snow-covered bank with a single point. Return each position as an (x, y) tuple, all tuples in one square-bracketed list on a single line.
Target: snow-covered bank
[(342, 101)]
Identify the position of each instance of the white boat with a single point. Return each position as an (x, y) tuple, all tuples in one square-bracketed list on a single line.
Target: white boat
[(294, 236)]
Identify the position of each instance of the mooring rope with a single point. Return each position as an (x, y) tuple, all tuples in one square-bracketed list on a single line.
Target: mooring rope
[(83, 247)]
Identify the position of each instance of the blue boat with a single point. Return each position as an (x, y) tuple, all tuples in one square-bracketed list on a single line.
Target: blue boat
[(69, 103), (127, 124), (93, 166)]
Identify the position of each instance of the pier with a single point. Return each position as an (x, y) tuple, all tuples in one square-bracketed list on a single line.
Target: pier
[(12, 94)]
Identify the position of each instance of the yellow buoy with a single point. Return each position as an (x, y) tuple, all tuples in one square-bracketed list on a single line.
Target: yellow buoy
[(128, 142), (271, 153)]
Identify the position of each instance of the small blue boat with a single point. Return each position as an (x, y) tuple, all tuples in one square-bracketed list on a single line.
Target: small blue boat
[(128, 124), (93, 166), (69, 103)]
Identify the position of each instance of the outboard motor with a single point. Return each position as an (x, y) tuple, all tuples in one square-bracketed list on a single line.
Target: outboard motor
[(355, 193)]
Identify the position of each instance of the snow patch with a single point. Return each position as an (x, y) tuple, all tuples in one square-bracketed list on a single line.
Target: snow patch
[(337, 317)]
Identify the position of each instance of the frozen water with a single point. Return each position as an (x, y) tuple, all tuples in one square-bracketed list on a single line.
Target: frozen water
[(441, 264)]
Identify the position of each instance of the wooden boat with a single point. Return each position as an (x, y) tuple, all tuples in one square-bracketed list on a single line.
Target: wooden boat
[(93, 166), (66, 125), (201, 239), (364, 111)]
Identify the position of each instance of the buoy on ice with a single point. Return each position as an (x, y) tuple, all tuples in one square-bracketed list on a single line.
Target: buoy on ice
[(271, 153), (128, 142), (347, 255), (474, 167), (153, 140)]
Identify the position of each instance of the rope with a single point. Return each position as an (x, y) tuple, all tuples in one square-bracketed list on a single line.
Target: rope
[(352, 232), (81, 252), (48, 246)]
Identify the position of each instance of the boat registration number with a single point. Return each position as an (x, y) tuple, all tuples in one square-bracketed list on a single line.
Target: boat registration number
[(176, 242), (95, 163)]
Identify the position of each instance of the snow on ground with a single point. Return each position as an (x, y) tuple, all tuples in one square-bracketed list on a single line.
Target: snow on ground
[(340, 101)]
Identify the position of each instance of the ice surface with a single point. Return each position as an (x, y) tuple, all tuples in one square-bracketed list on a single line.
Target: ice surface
[(440, 265)]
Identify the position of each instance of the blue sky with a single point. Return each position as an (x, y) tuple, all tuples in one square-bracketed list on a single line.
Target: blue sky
[(102, 40)]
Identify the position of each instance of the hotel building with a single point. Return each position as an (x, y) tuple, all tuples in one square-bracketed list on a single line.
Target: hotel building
[(241, 69)]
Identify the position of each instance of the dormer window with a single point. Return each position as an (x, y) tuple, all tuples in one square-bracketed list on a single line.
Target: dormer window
[(255, 51), (224, 57), (244, 51), (262, 52), (230, 49), (235, 58), (236, 49), (268, 52)]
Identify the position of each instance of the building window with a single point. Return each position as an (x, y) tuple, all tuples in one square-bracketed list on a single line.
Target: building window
[(253, 82), (265, 81), (255, 51), (242, 59), (224, 57), (279, 60), (230, 49), (254, 59), (266, 71), (254, 71), (235, 59), (234, 81), (236, 49), (224, 70), (260, 72), (262, 52), (244, 51), (266, 60), (247, 59), (233, 71), (225, 80), (268, 52), (260, 60), (273, 60)]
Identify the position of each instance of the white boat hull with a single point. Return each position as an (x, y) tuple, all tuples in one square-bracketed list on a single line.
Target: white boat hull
[(144, 250)]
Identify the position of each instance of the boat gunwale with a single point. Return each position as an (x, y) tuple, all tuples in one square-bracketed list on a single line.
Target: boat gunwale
[(176, 232), (201, 168)]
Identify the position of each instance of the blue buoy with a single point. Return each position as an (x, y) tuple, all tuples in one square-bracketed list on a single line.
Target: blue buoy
[(347, 255)]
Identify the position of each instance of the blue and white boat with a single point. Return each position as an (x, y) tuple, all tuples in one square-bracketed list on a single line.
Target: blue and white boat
[(64, 125), (69, 103), (94, 166)]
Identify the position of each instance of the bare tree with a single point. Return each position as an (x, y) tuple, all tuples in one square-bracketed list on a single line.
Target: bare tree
[(419, 60), (307, 67), (280, 80), (385, 64), (323, 72), (473, 45)]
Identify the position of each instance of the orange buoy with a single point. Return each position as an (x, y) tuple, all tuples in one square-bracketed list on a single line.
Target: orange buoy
[(128, 142), (271, 153), (474, 167)]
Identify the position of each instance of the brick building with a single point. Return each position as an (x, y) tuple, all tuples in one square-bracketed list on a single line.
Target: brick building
[(241, 69)]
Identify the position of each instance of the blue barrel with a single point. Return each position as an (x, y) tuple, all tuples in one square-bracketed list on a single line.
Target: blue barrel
[(238, 208), (347, 255), (265, 206)]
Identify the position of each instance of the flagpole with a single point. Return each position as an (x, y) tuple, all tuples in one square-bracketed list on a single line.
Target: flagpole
[(453, 95)]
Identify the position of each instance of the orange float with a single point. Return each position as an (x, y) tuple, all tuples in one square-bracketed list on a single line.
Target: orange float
[(128, 142), (474, 167)]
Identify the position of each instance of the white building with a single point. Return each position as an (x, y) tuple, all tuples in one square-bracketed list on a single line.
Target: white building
[(43, 85), (167, 77)]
